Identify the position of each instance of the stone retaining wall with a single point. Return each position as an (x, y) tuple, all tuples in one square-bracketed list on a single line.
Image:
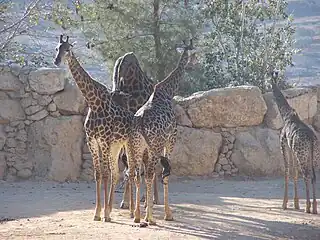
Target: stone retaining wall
[(221, 132)]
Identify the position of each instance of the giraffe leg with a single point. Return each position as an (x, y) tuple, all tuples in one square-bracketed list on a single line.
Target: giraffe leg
[(314, 203), (134, 164), (308, 203), (125, 197), (295, 180), (144, 194), (94, 149), (165, 175), (155, 190), (155, 186), (109, 163), (286, 156), (168, 213), (105, 186), (114, 178), (155, 194), (98, 200), (303, 157), (130, 191), (149, 176), (105, 163), (137, 209)]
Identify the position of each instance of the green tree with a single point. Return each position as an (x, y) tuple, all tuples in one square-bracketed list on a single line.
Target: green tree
[(245, 41), (150, 28)]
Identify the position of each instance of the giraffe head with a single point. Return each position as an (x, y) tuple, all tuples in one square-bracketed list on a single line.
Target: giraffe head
[(191, 51), (63, 48)]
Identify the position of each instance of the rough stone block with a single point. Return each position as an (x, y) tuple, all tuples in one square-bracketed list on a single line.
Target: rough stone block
[(196, 152), (225, 107), (47, 80)]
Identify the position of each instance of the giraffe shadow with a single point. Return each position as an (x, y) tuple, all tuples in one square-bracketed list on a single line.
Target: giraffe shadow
[(233, 226)]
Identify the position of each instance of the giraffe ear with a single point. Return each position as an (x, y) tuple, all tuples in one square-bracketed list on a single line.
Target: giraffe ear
[(74, 43)]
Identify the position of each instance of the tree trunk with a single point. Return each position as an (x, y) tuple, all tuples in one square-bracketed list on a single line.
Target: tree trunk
[(160, 68)]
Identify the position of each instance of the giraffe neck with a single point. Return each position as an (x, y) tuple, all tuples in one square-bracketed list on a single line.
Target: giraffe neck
[(282, 103), (170, 84), (92, 91)]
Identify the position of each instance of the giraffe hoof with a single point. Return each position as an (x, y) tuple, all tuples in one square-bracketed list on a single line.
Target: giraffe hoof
[(156, 202), (131, 215), (284, 206), (96, 218), (124, 205), (307, 210), (152, 223), (296, 204), (168, 218), (314, 207), (136, 220), (107, 219)]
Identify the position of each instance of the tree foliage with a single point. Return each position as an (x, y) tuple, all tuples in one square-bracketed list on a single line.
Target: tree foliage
[(238, 41), (245, 41), (151, 29)]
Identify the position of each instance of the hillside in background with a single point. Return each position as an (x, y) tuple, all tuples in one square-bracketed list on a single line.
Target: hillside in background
[(307, 62), (307, 22)]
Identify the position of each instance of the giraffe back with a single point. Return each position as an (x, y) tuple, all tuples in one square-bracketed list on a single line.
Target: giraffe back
[(129, 78)]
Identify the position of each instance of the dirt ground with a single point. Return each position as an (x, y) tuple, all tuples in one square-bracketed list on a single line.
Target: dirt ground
[(203, 209)]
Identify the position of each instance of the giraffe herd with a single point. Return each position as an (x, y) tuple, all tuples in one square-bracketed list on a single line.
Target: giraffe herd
[(135, 123)]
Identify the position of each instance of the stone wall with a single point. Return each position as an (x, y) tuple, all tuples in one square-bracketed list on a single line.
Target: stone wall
[(221, 132), (41, 124), (239, 129)]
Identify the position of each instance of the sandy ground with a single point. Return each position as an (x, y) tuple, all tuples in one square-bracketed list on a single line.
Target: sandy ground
[(203, 209)]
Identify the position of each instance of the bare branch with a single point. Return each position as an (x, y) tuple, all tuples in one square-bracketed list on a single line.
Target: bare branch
[(29, 10)]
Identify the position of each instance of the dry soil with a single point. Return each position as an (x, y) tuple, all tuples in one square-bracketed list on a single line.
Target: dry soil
[(203, 209)]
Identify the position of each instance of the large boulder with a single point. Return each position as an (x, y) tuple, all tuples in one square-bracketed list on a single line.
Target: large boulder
[(11, 110), (303, 100), (47, 80), (316, 122), (225, 107), (181, 116), (196, 152), (55, 147), (70, 101), (8, 81), (257, 152)]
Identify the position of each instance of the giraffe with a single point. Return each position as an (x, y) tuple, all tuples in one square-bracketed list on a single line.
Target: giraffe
[(129, 78), (107, 126), (155, 129), (299, 145)]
